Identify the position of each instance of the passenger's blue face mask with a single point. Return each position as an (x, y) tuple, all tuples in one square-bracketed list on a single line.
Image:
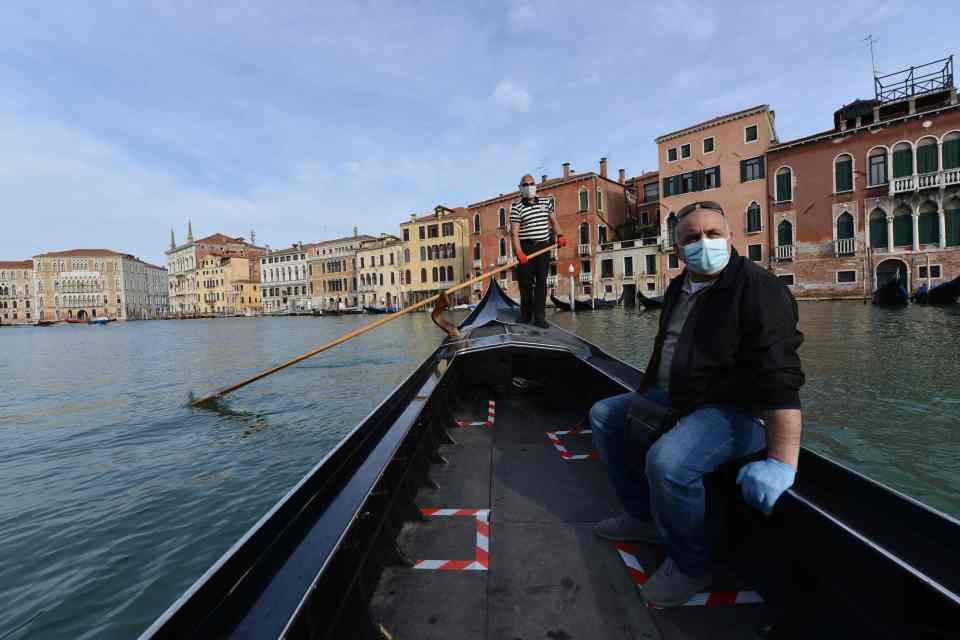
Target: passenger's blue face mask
[(707, 256)]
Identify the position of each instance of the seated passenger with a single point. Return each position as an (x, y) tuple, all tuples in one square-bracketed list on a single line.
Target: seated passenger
[(725, 369)]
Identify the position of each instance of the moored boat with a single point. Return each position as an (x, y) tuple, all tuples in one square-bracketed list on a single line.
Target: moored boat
[(940, 295), (380, 310), (652, 302), (462, 506), (892, 293), (99, 321), (583, 304)]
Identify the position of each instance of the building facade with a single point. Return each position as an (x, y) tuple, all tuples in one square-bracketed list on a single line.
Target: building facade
[(183, 262), (17, 302), (435, 255), (379, 270), (333, 269), (82, 284), (876, 197), (721, 160), (225, 287), (627, 267), (286, 279), (590, 208)]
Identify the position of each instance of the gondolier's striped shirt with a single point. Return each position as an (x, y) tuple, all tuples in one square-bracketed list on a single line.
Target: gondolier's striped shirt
[(533, 218)]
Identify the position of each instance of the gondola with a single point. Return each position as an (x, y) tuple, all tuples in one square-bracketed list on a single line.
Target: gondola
[(940, 295), (380, 310), (583, 305), (462, 507), (893, 293), (653, 302)]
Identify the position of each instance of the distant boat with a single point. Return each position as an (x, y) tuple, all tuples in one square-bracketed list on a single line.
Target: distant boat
[(940, 295), (99, 321), (584, 304), (351, 310), (74, 321), (893, 293), (380, 310), (653, 302)]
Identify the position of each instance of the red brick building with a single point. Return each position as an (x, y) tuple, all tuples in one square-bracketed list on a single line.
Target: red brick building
[(875, 196), (589, 206)]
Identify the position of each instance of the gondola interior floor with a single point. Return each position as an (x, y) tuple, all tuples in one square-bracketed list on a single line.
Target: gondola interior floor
[(549, 576)]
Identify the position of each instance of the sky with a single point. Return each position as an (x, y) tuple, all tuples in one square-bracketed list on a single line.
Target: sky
[(120, 121)]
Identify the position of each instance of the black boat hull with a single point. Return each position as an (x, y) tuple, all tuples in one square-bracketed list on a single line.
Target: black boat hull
[(584, 305), (941, 295), (891, 294)]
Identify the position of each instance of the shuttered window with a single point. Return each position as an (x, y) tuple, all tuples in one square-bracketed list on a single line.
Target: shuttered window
[(751, 169), (844, 226), (753, 218), (951, 153), (927, 158), (584, 200), (784, 185), (902, 163), (928, 226), (903, 231), (878, 230), (878, 167), (785, 234), (952, 219), (843, 168)]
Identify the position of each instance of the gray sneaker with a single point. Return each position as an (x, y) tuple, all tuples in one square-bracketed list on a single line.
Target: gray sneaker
[(626, 528), (670, 587)]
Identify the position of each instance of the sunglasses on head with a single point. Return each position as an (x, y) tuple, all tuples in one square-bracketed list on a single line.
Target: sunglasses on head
[(693, 206)]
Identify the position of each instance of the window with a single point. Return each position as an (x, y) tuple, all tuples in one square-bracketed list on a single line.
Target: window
[(503, 247), (671, 186), (599, 200), (844, 226), (687, 183), (423, 275), (843, 173), (755, 252), (951, 214), (651, 191), (711, 178), (751, 169), (585, 266), (406, 254), (476, 251), (584, 200), (787, 279), (650, 264), (584, 233), (902, 227), (672, 155), (672, 227), (606, 268), (877, 167), (902, 160), (928, 224), (708, 145), (602, 234), (878, 229), (845, 277), (785, 233), (927, 161), (754, 218), (447, 229), (476, 223), (449, 274), (423, 233), (784, 184), (750, 133), (628, 266), (502, 217), (951, 150), (934, 271), (423, 253), (685, 150), (406, 275), (435, 274), (433, 231), (673, 261)]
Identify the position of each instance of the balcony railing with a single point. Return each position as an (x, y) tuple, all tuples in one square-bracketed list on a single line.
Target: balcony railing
[(951, 176), (478, 264), (785, 253), (586, 277), (551, 281), (583, 249), (502, 260), (649, 241), (944, 177), (845, 247)]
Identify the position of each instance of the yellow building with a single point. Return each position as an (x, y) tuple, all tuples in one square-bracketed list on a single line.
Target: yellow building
[(225, 287), (435, 252)]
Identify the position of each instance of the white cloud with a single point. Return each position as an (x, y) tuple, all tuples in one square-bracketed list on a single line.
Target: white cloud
[(511, 96), (522, 17)]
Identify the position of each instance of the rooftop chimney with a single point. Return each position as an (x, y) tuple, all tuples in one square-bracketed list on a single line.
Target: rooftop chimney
[(623, 176), (603, 167), (413, 217), (566, 169), (543, 178), (355, 233)]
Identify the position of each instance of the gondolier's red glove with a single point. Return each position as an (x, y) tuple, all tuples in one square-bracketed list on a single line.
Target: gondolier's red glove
[(522, 257), (561, 241)]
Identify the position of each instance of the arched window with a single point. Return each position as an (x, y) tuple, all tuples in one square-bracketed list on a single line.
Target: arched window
[(381, 279), (453, 250), (584, 233), (784, 184), (951, 150), (449, 274), (602, 234), (951, 214), (407, 277), (434, 274), (877, 166), (476, 251), (844, 226), (928, 224), (754, 218), (476, 223), (430, 252), (672, 227), (843, 173), (785, 233), (599, 200), (584, 199), (423, 253), (902, 160), (503, 247), (927, 160), (502, 217), (902, 227), (406, 255), (423, 275)]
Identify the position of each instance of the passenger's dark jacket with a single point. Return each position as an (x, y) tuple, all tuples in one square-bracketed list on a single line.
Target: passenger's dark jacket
[(738, 345)]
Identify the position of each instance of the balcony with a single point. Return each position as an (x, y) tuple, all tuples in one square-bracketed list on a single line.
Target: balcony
[(502, 260), (477, 264), (551, 281), (845, 247), (932, 180), (785, 253), (586, 277), (583, 249), (648, 241)]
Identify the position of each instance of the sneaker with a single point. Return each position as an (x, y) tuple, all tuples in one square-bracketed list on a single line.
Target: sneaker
[(626, 528), (670, 587)]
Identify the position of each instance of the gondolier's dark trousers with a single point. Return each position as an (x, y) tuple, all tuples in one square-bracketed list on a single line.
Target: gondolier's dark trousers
[(533, 281)]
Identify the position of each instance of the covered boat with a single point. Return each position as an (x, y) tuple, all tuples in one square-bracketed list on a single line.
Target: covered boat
[(653, 302), (892, 293), (462, 507), (380, 310), (941, 295), (583, 304)]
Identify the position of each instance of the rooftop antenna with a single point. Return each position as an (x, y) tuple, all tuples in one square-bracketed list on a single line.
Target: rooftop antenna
[(873, 62)]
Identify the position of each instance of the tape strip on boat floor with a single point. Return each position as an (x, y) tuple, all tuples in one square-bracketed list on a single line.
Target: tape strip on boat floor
[(554, 437), (481, 559), (706, 599), (491, 417)]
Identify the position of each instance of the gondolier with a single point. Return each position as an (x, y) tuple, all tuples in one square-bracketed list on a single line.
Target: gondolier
[(532, 218)]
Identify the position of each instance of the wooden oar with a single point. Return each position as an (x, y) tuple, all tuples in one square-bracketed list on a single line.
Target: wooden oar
[(362, 330)]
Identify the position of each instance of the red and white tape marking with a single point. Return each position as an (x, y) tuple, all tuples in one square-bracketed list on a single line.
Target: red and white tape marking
[(706, 599), (566, 455), (481, 559), (491, 416)]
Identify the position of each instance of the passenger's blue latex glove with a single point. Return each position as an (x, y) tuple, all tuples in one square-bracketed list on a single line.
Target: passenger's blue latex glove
[(764, 481)]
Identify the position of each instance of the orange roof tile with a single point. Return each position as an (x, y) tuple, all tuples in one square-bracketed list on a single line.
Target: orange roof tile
[(81, 252), (16, 264)]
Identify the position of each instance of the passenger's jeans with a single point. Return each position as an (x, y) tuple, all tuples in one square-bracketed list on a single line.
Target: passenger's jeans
[(671, 492)]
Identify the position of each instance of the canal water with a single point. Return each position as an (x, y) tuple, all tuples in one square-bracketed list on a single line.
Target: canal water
[(115, 497)]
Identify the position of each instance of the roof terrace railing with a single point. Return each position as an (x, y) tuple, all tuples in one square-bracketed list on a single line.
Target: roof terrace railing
[(915, 81)]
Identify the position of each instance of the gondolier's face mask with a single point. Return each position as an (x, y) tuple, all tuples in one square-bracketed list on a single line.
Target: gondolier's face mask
[(703, 239), (528, 188)]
